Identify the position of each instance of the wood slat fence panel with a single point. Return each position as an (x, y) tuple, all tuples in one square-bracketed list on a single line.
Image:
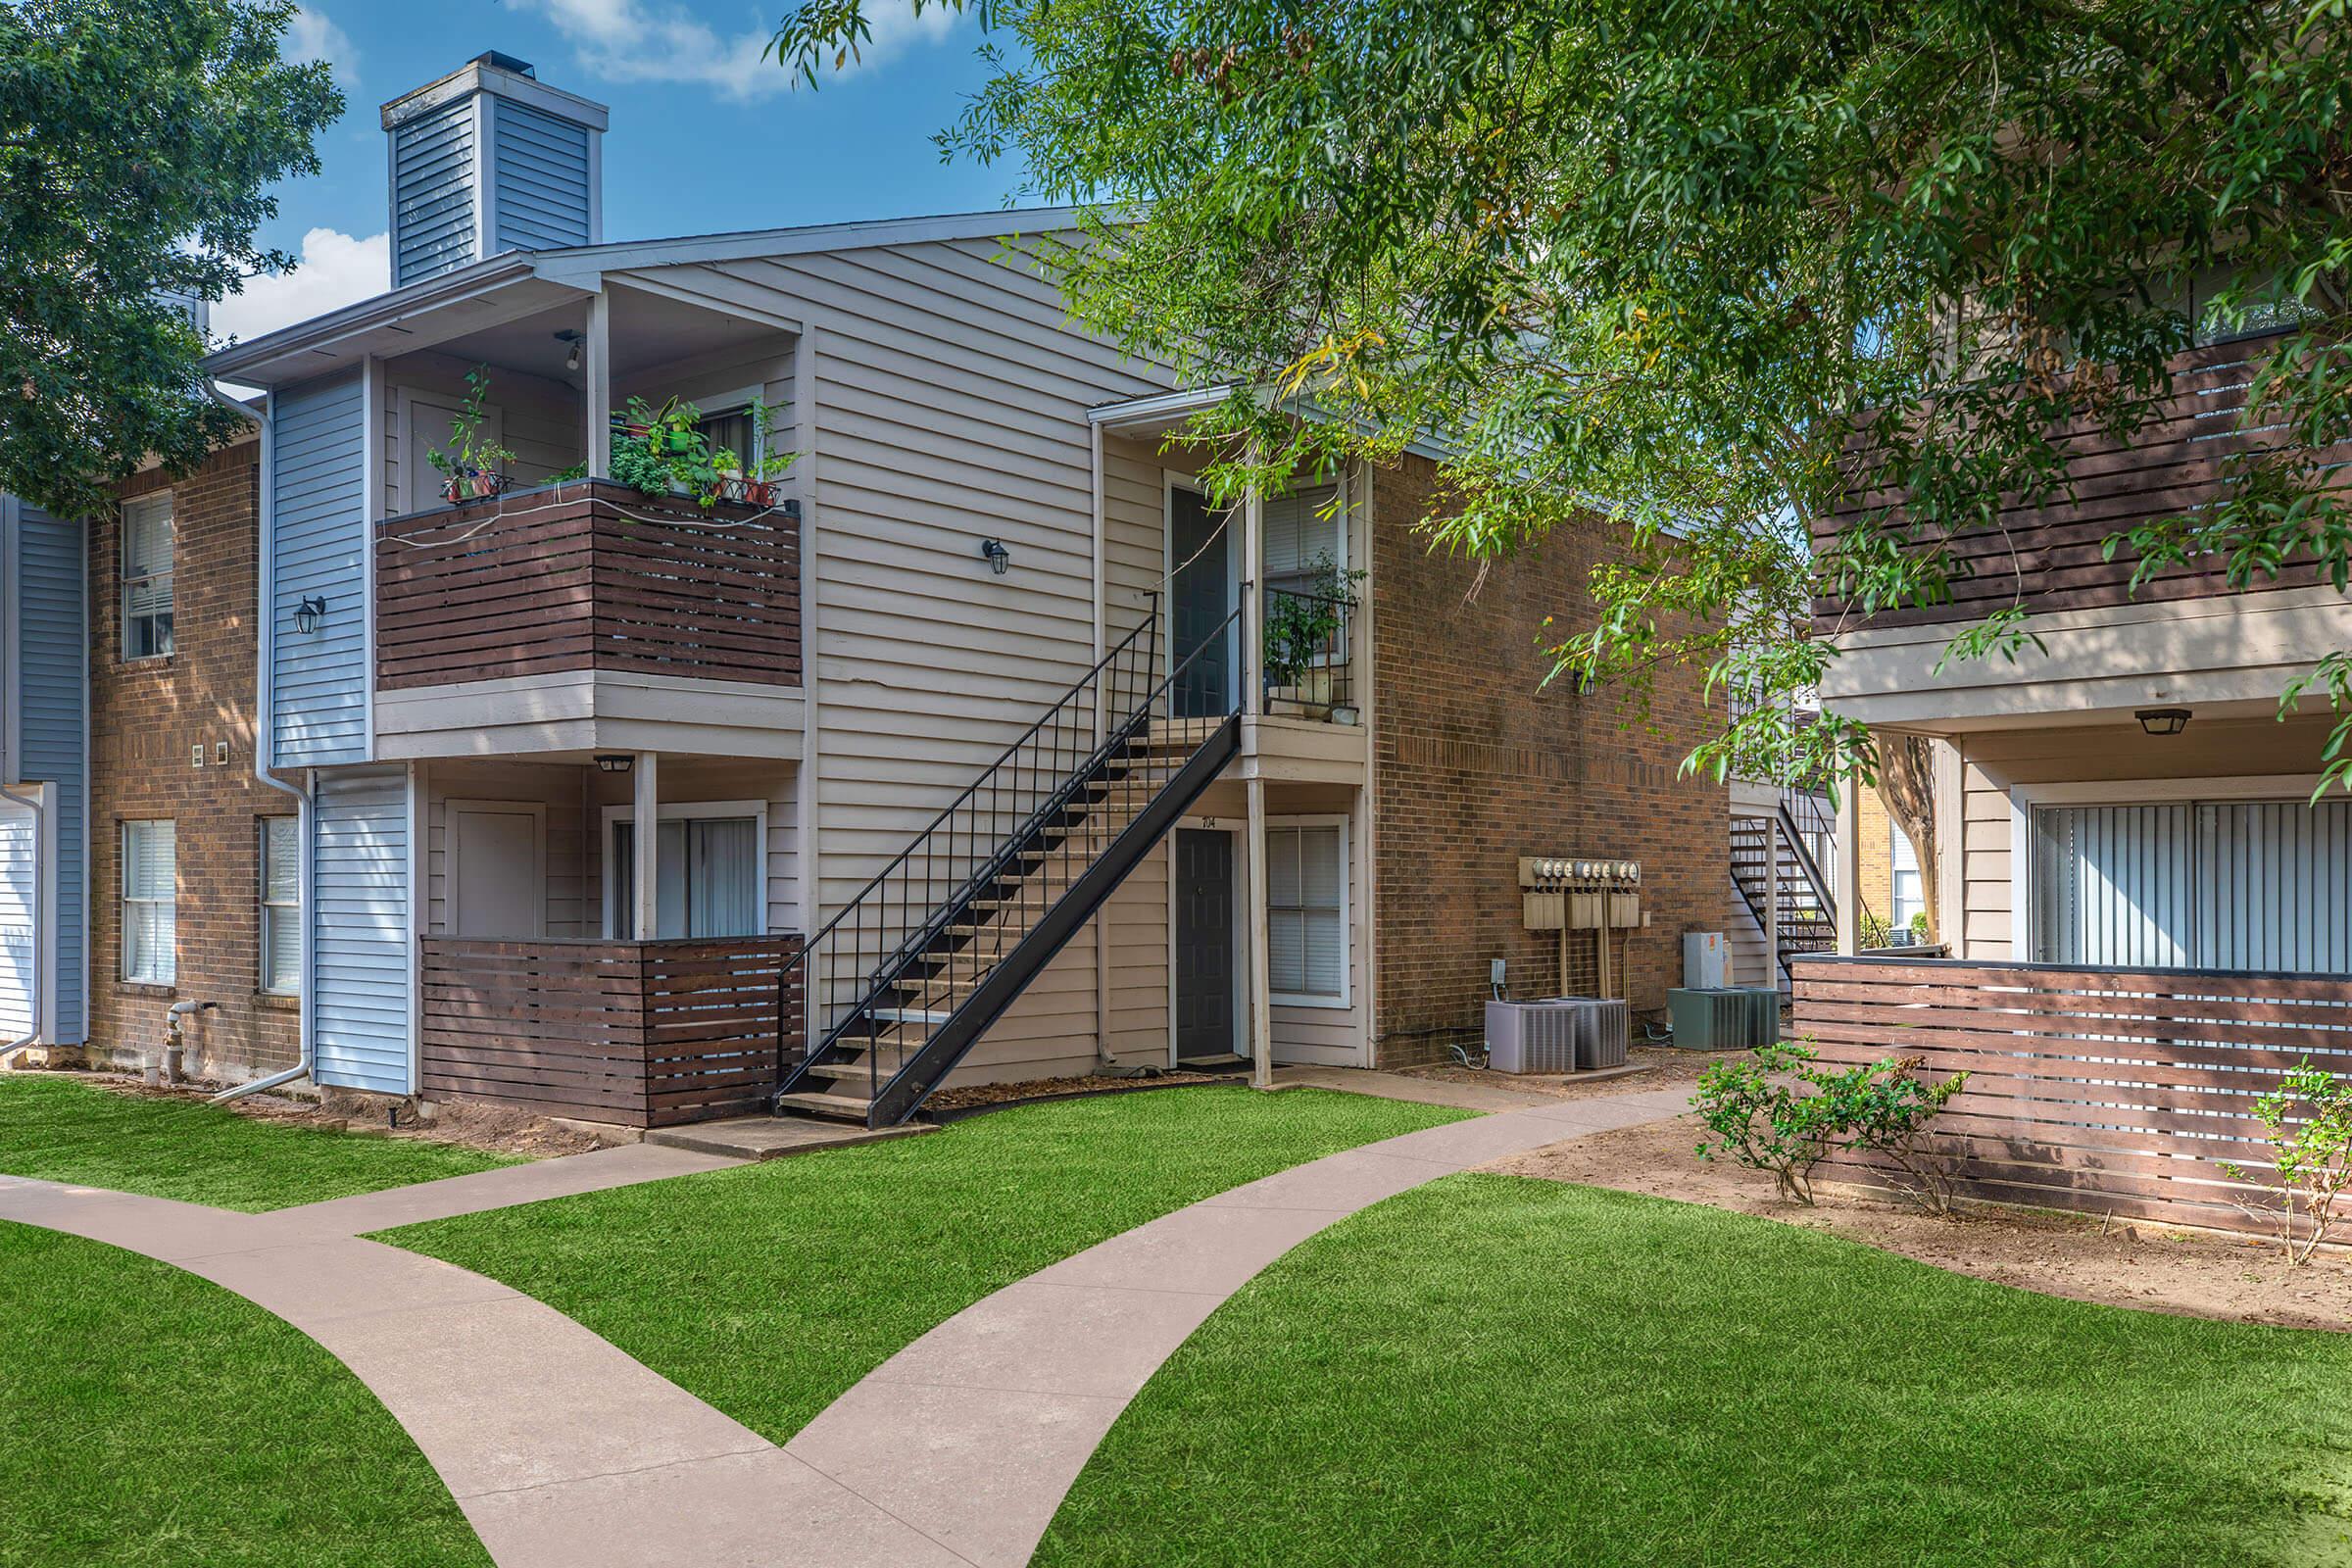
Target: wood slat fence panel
[(2051, 557), (2110, 1091), (646, 1034), (587, 575)]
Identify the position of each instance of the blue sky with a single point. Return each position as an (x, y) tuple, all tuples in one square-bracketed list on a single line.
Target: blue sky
[(704, 134)]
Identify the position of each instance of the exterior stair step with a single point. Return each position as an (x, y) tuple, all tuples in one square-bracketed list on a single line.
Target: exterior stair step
[(832, 1107)]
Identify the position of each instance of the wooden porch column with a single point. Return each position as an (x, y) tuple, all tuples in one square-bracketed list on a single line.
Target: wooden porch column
[(1261, 1025), (1846, 878), (644, 846)]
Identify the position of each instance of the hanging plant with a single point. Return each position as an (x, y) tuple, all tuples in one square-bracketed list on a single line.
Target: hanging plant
[(473, 466)]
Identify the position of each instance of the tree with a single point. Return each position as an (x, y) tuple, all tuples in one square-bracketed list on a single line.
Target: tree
[(137, 138), (1712, 268)]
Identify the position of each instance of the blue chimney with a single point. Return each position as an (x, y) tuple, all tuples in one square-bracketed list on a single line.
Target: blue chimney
[(490, 158)]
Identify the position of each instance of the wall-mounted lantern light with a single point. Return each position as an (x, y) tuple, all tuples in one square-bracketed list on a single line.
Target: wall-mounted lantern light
[(574, 338), (309, 613), (999, 558), (615, 761), (2163, 720)]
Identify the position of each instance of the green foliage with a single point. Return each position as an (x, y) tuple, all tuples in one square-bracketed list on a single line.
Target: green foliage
[(2308, 1122), (1711, 268), (472, 464), (1299, 625), (137, 141), (663, 451), (1780, 1110)]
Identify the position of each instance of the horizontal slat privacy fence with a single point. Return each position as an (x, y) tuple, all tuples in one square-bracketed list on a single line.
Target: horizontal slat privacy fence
[(587, 575), (2052, 557), (646, 1034), (2114, 1091)]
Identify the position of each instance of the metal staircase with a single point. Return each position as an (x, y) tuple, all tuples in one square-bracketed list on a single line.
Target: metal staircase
[(1808, 920), (896, 989)]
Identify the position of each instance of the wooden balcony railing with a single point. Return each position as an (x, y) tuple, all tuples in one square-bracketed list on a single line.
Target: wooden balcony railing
[(646, 1034), (2120, 1092), (587, 575), (2052, 558)]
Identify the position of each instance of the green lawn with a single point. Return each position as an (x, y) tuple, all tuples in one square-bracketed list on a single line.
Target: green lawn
[(769, 1290), (149, 1418), (1499, 1371), (63, 1130)]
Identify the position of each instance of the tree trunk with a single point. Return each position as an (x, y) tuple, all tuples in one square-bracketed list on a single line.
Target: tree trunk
[(1907, 786)]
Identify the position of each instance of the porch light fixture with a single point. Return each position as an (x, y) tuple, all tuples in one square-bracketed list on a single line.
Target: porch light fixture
[(2163, 720), (999, 558), (309, 613), (572, 361), (614, 762)]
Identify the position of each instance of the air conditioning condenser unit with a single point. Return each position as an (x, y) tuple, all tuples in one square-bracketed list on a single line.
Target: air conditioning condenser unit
[(1557, 1035), (1724, 1018)]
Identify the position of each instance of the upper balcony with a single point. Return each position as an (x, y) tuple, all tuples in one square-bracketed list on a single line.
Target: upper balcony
[(2184, 636)]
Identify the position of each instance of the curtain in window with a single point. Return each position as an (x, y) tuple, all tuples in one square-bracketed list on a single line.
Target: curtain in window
[(150, 928), (147, 578), (709, 875), (1306, 939)]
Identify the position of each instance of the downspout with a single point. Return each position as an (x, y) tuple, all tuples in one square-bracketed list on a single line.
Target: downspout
[(40, 878), (264, 747)]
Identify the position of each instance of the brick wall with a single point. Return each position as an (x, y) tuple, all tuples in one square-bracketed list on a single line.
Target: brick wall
[(1476, 763), (146, 719), (1875, 830)]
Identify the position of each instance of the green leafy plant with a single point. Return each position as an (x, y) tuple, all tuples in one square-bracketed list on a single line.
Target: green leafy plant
[(754, 485), (1780, 1110), (471, 465), (2311, 1155), (662, 449), (1301, 623)]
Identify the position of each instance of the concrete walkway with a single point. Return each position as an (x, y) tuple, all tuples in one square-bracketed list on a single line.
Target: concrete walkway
[(563, 1450)]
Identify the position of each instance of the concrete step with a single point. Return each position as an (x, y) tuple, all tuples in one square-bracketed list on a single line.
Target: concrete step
[(831, 1106)]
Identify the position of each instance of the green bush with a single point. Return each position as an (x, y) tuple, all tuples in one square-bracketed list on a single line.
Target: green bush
[(1780, 1110), (2311, 1156)]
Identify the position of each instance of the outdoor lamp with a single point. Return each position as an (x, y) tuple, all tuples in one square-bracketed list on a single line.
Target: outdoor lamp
[(572, 361), (615, 761), (999, 558), (2163, 720), (308, 613)]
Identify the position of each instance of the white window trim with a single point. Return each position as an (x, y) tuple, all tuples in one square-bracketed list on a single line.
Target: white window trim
[(2024, 939), (126, 581), (262, 905), (124, 901), (686, 812), (450, 809), (1344, 1001)]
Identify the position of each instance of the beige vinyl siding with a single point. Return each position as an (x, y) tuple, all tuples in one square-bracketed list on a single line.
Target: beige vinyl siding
[(1752, 965), (950, 406), (1996, 762)]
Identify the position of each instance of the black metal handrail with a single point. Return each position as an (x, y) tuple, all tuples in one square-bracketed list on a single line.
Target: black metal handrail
[(918, 937), (1307, 641)]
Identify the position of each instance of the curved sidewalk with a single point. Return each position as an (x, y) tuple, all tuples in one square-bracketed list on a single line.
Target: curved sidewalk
[(563, 1450)]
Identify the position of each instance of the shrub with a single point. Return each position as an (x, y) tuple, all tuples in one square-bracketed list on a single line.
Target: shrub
[(2311, 1156), (1780, 1110)]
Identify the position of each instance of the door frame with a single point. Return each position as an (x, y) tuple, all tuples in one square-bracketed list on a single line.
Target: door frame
[(1235, 831), (450, 807), (2024, 939), (1171, 481), (681, 812)]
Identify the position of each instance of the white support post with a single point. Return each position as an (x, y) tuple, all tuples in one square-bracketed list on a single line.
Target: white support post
[(644, 846), (1253, 626), (1261, 1026), (1847, 878), (596, 365), (1772, 902)]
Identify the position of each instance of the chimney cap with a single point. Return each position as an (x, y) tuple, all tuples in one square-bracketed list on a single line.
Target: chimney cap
[(505, 62)]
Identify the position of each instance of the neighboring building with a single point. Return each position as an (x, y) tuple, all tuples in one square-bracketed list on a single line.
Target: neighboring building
[(44, 782), (969, 750)]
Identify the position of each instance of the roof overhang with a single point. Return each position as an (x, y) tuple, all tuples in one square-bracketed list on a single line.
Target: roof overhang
[(416, 316)]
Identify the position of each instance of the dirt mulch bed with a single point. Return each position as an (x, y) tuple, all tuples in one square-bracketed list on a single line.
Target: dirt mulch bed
[(974, 1096), (1662, 1068), (2121, 1264), (495, 1129)]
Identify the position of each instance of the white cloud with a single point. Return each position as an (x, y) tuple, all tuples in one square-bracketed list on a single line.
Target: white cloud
[(312, 35), (335, 270), (657, 40)]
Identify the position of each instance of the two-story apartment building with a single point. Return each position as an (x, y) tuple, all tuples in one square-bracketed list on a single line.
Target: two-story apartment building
[(981, 742)]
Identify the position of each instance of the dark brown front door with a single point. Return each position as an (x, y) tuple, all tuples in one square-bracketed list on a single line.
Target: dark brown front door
[(1204, 992)]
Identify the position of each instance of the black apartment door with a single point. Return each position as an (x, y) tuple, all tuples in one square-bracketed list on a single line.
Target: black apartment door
[(1202, 599), (1204, 989)]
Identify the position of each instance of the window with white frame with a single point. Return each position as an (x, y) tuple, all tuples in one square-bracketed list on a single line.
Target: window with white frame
[(1307, 913), (150, 925), (1906, 892), (147, 577), (1304, 540), (709, 874), (282, 906)]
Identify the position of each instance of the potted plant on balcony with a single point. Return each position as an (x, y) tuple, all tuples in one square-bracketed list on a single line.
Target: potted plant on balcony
[(754, 486), (470, 468), (1301, 624), (663, 451)]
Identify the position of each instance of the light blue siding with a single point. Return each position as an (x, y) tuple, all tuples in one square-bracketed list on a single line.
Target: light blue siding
[(359, 976), (53, 738), (318, 543), (433, 172), (539, 179)]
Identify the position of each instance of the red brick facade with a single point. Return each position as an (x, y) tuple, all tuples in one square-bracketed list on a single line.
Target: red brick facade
[(1476, 762), (147, 720)]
